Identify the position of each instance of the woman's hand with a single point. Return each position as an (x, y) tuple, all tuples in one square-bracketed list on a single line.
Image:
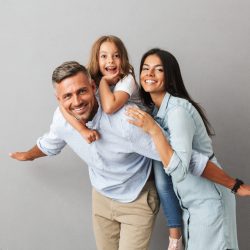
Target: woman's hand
[(143, 120)]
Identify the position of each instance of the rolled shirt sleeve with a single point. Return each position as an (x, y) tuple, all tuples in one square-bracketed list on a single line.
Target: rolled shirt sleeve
[(51, 143), (181, 129)]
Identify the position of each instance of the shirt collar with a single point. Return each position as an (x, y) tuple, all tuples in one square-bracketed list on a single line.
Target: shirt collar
[(94, 123), (161, 112)]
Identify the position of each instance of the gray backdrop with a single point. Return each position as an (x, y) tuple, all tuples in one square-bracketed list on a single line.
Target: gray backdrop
[(46, 204)]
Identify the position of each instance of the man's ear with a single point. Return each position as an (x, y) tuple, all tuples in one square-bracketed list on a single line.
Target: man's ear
[(57, 97)]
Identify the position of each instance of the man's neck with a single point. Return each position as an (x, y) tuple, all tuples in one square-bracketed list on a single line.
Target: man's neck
[(94, 111)]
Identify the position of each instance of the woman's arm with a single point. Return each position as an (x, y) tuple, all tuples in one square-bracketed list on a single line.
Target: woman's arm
[(211, 172), (147, 123)]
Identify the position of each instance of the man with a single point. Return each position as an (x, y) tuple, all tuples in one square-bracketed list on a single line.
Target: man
[(124, 196), (125, 201)]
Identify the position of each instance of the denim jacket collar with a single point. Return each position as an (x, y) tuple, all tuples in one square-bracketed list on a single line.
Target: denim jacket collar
[(160, 113)]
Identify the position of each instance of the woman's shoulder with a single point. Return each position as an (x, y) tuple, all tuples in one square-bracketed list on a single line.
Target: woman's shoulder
[(180, 104)]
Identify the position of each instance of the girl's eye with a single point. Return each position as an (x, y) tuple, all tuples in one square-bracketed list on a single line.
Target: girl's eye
[(144, 68), (117, 56), (103, 56)]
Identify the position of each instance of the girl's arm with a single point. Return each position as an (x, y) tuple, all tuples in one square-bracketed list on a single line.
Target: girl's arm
[(111, 101), (88, 134)]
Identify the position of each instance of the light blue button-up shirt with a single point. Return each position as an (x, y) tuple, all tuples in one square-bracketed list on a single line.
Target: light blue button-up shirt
[(118, 163)]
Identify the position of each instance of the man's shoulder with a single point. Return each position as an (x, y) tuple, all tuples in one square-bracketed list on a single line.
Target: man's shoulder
[(121, 120), (58, 119)]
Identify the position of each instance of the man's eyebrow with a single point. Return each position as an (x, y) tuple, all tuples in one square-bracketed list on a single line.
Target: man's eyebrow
[(68, 93)]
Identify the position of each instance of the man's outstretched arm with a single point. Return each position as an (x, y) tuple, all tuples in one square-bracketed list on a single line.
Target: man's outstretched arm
[(29, 155), (217, 175)]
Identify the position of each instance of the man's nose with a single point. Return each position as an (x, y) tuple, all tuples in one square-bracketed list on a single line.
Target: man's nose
[(76, 100)]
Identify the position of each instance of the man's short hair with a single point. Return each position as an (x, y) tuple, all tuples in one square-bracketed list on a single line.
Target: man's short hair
[(68, 69)]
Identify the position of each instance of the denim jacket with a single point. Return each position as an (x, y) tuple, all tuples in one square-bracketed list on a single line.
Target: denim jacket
[(208, 208)]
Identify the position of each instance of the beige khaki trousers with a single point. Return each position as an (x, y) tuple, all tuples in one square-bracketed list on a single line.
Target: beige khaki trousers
[(125, 226)]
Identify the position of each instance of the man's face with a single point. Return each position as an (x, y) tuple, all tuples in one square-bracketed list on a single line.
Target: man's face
[(77, 95)]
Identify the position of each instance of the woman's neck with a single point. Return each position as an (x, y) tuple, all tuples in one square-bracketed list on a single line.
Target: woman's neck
[(157, 98)]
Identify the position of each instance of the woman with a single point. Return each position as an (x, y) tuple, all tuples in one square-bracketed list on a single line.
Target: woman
[(208, 209)]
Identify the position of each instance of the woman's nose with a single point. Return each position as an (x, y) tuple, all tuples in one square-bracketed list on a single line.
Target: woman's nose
[(150, 72)]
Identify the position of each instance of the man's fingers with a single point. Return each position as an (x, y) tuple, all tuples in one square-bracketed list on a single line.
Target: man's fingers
[(18, 156)]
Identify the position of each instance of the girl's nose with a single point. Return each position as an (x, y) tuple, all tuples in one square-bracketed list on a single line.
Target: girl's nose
[(110, 59)]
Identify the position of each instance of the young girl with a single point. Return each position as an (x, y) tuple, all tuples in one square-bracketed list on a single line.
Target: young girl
[(109, 67), (111, 71)]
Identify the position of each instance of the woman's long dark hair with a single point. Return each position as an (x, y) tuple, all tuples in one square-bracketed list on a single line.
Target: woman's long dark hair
[(173, 83)]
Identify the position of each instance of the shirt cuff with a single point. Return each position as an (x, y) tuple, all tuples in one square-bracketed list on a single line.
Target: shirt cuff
[(198, 163), (173, 164), (43, 149)]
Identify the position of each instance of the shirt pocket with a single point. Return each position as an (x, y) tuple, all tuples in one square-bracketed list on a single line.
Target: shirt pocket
[(95, 158)]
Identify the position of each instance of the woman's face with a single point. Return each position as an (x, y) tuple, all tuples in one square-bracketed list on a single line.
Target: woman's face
[(152, 75)]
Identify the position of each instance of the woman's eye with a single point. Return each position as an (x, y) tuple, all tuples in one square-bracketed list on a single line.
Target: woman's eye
[(160, 70), (144, 68)]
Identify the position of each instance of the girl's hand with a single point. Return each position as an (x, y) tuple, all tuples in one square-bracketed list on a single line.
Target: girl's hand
[(143, 120), (90, 135), (111, 79)]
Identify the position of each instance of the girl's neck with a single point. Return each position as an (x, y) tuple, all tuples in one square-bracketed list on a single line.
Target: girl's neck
[(157, 98)]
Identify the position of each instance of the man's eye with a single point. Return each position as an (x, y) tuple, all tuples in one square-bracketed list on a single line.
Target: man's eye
[(82, 91), (66, 97)]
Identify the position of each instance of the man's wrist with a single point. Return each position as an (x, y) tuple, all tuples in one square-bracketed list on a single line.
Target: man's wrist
[(236, 186)]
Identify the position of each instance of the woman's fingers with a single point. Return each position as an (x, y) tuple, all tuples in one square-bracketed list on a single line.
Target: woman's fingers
[(135, 113)]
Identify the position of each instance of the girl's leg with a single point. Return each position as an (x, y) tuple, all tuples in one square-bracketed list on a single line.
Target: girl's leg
[(169, 201)]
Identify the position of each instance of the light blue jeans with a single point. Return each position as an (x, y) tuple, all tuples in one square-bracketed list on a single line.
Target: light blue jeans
[(169, 201)]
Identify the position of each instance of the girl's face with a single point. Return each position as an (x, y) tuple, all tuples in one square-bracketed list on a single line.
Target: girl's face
[(152, 75), (109, 59)]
